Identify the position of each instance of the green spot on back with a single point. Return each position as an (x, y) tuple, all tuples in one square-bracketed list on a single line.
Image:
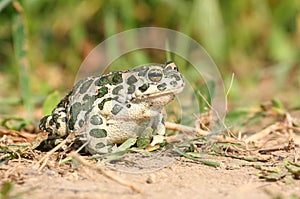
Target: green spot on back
[(85, 86), (131, 80), (112, 79), (101, 104), (116, 90), (102, 91), (144, 87), (74, 111), (88, 102), (131, 89), (116, 78)]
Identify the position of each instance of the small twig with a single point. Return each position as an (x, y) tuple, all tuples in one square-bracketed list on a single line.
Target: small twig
[(69, 158), (295, 129), (274, 127), (266, 131), (107, 174), (44, 159), (14, 134), (187, 129), (290, 146), (289, 122), (5, 156)]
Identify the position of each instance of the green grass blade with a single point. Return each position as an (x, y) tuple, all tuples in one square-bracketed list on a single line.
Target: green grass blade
[(21, 51), (205, 162), (4, 3)]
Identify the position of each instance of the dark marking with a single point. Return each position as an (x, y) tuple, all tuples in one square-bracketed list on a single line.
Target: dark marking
[(49, 130), (171, 67), (99, 145), (131, 80), (64, 119), (116, 90), (81, 123), (86, 97), (102, 81), (43, 122), (143, 72), (85, 86), (131, 89), (101, 104), (102, 91), (116, 78), (98, 133), (109, 147), (86, 115), (65, 101), (144, 87), (163, 120), (128, 105), (162, 86), (55, 116), (51, 121), (116, 109), (176, 77), (57, 125), (88, 102), (96, 120), (173, 83), (112, 79), (78, 84), (74, 111)]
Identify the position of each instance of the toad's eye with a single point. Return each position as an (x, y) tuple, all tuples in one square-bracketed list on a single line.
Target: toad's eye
[(155, 75)]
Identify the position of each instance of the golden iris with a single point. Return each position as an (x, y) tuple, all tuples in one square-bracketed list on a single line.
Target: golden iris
[(155, 75)]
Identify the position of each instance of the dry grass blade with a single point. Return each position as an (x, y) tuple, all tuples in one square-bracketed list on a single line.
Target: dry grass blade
[(17, 135), (43, 161), (290, 146), (187, 129), (216, 112), (265, 132), (107, 174)]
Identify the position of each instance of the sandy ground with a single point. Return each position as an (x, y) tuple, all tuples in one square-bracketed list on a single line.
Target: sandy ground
[(180, 178), (159, 174)]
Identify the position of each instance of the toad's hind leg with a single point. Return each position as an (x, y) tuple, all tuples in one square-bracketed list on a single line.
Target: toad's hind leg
[(55, 124), (56, 127)]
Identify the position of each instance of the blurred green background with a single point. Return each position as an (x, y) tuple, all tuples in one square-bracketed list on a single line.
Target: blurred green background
[(42, 44)]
